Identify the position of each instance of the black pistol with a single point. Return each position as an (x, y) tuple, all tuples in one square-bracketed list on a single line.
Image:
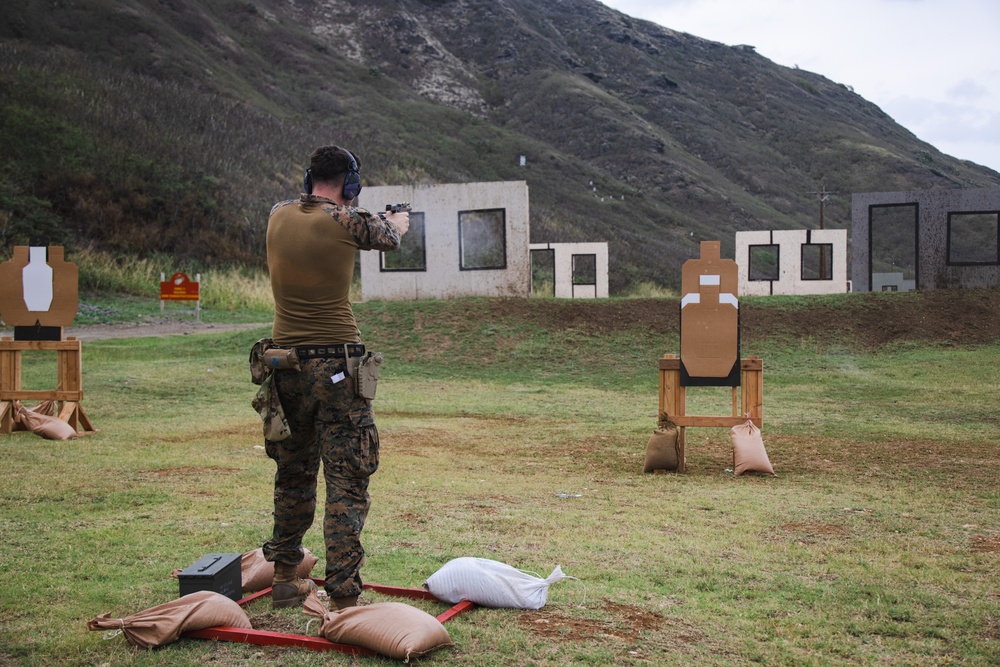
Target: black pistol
[(398, 208)]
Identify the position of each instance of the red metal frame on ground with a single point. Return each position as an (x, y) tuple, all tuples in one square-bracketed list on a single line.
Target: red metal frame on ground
[(266, 638)]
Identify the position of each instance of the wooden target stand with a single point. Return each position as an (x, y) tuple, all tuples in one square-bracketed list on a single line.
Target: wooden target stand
[(317, 643), (673, 400), (710, 349), (38, 297), (68, 393)]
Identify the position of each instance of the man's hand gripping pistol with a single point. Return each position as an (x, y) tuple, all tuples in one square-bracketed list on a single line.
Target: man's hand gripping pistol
[(398, 215)]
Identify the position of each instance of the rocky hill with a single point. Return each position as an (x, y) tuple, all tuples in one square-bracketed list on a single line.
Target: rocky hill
[(171, 125)]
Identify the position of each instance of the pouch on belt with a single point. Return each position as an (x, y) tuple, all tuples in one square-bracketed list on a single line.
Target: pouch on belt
[(267, 403)]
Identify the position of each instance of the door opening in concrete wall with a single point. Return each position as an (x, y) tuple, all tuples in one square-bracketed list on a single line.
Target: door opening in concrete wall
[(585, 274), (412, 252), (974, 238), (543, 273), (482, 239), (893, 252), (764, 262), (817, 261)]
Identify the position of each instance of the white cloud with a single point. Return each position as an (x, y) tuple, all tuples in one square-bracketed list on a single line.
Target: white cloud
[(967, 89), (930, 64)]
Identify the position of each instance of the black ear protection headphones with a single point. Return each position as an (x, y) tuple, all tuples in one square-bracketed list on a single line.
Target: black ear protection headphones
[(352, 181)]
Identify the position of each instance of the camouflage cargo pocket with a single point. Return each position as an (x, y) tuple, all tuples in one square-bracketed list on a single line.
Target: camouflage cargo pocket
[(267, 403), (258, 371)]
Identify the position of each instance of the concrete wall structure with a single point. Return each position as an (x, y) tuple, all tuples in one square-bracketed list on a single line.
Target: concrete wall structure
[(955, 234), (563, 259), (789, 278), (474, 238)]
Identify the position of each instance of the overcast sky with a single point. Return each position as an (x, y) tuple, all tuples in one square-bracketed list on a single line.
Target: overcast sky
[(932, 65)]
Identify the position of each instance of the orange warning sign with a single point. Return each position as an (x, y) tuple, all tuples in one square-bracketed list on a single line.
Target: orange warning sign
[(179, 288)]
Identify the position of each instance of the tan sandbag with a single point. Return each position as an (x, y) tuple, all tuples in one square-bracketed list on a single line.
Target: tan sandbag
[(749, 454), (50, 428), (392, 629), (258, 573), (661, 450), (165, 623), (46, 407)]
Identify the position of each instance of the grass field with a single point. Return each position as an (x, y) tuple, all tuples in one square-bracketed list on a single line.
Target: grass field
[(877, 543)]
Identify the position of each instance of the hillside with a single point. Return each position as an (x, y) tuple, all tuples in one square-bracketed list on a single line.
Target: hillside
[(172, 126)]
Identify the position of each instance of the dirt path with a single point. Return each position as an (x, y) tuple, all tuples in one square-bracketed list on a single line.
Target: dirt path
[(151, 327)]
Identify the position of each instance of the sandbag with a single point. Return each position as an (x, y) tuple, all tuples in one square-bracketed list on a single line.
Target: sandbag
[(661, 450), (46, 407), (258, 573), (165, 623), (392, 629), (50, 428), (749, 454), (490, 583)]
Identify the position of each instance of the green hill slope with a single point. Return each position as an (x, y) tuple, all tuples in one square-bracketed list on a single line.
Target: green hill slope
[(172, 126)]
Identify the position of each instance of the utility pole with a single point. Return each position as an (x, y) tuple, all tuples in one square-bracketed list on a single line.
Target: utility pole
[(823, 196)]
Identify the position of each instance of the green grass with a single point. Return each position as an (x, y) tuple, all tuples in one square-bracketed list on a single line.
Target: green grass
[(876, 544)]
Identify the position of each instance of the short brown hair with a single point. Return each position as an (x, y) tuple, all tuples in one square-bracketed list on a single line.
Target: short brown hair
[(328, 163)]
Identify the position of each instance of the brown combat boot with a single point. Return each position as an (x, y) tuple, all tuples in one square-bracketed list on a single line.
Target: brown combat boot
[(288, 590), (343, 602)]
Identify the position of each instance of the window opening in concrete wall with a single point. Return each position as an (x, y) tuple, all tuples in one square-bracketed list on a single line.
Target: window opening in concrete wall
[(482, 239), (893, 251), (763, 262), (817, 261), (584, 269), (412, 252), (974, 238), (543, 273)]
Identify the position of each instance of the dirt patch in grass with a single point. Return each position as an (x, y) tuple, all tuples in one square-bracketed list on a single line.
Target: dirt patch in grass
[(624, 622), (986, 544), (287, 621), (970, 460)]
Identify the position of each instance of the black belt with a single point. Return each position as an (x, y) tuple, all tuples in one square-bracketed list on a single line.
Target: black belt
[(329, 351)]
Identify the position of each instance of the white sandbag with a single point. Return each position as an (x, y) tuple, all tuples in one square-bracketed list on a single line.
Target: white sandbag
[(490, 583)]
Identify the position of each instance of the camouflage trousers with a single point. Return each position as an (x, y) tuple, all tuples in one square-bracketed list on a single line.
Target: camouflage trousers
[(329, 424)]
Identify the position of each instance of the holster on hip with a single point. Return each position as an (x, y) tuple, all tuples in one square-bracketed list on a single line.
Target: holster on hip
[(364, 372)]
